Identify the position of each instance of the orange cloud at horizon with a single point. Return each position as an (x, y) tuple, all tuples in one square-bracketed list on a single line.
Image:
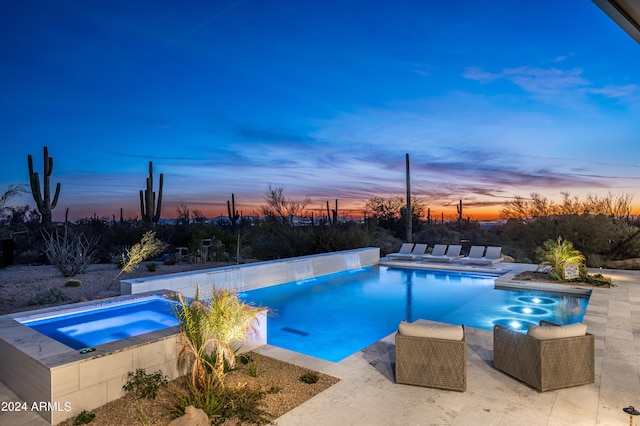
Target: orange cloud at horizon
[(351, 210)]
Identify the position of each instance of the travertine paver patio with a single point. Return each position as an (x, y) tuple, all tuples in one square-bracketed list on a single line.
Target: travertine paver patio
[(368, 395)]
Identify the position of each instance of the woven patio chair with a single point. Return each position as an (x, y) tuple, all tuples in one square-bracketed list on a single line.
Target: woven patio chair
[(431, 362), (544, 364)]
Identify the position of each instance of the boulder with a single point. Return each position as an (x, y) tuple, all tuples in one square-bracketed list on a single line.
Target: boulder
[(192, 417)]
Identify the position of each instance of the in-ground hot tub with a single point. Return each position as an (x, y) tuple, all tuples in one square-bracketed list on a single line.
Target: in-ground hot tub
[(90, 326)]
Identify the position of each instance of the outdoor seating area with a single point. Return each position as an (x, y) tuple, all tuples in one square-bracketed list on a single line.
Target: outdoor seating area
[(548, 357), (449, 253)]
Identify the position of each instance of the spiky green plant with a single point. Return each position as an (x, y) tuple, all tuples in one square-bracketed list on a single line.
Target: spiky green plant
[(207, 330), (557, 254)]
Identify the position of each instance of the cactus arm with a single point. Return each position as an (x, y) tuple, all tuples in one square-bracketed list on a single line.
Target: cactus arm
[(34, 180), (150, 199), (54, 203), (328, 214), (156, 217), (142, 212), (46, 180)]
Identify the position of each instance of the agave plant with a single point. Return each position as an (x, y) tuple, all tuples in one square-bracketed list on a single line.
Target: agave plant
[(207, 330), (557, 254)]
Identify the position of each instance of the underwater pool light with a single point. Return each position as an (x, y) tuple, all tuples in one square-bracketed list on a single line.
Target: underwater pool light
[(515, 324)]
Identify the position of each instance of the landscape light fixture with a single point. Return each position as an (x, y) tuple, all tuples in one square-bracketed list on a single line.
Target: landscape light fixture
[(631, 411)]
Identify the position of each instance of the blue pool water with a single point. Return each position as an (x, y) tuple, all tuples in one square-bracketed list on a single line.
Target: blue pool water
[(114, 321), (334, 316)]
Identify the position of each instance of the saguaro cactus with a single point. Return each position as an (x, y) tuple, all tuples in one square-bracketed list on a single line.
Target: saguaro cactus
[(334, 213), (149, 211), (43, 203), (231, 209), (459, 210), (409, 218)]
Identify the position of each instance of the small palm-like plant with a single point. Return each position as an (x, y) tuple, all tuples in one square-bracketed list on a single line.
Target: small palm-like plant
[(557, 254), (207, 330)]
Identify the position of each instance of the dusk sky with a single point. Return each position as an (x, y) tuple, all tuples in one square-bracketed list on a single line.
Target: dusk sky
[(490, 98)]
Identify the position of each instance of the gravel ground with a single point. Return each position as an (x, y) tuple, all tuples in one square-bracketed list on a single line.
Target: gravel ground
[(19, 284), (280, 380)]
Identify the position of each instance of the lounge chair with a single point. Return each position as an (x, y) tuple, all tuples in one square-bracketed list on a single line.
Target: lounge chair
[(544, 358), (492, 256), (431, 354), (438, 255), (405, 249), (418, 250), (476, 252)]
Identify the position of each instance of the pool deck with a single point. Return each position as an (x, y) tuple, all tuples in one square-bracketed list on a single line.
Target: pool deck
[(367, 393)]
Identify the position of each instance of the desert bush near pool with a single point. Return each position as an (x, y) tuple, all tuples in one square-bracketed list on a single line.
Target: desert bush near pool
[(207, 330)]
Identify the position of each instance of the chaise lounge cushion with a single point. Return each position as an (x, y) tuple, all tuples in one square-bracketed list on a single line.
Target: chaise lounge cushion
[(432, 330), (557, 332)]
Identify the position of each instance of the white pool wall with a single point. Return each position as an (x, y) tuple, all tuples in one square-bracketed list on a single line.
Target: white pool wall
[(253, 275)]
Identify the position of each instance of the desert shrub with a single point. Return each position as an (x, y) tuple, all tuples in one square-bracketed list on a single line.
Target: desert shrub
[(309, 378), (84, 417), (49, 296), (71, 254), (73, 283), (143, 385), (253, 362), (382, 238), (599, 238), (151, 266), (597, 280), (244, 405), (146, 248), (210, 400), (28, 257)]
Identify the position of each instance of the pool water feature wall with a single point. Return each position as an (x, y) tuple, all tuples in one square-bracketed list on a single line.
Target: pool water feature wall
[(253, 275), (40, 369)]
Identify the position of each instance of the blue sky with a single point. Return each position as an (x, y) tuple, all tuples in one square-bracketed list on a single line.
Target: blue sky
[(491, 99)]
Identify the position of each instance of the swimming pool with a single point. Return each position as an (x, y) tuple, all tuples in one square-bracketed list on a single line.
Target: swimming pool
[(105, 323), (336, 315)]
